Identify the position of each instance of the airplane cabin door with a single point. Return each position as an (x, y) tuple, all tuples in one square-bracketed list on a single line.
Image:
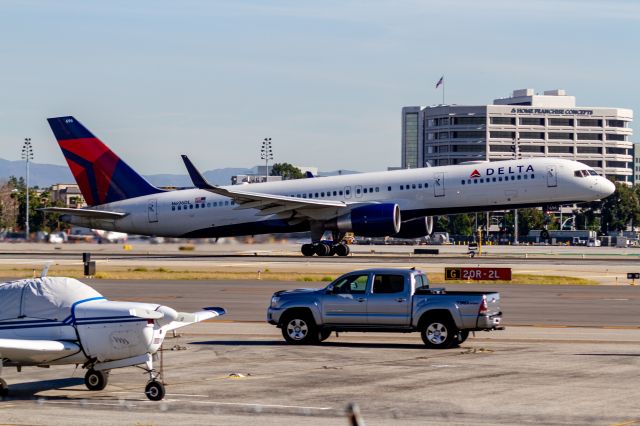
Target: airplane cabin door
[(552, 176), (347, 192), (438, 185), (358, 191), (152, 210)]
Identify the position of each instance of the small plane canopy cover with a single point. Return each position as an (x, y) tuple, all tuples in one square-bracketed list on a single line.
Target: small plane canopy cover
[(49, 298)]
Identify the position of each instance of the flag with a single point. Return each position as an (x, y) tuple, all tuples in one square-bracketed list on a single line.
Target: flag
[(441, 81), (200, 199)]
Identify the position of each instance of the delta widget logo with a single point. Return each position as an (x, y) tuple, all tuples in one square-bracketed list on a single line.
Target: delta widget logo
[(475, 174)]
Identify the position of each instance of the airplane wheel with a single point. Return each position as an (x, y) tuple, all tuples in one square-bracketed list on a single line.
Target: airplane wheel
[(154, 391), (308, 250), (4, 388), (323, 249), (341, 249), (96, 380)]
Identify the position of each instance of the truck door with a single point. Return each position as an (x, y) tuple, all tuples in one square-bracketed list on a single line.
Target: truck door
[(389, 301), (438, 185), (347, 303), (552, 176)]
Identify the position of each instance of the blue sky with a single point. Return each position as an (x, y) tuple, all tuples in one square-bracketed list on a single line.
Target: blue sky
[(325, 80)]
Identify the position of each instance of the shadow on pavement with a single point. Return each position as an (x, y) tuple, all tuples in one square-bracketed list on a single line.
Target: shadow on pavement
[(29, 390), (323, 344)]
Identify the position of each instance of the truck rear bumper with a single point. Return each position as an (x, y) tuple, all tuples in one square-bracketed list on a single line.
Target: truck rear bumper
[(490, 322)]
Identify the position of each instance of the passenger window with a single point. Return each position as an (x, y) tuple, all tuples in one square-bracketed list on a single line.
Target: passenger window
[(172, 207), (370, 189), (190, 206), (377, 189), (462, 181), (388, 189), (179, 208), (340, 192), (364, 190), (494, 179), (352, 284), (519, 177), (317, 195), (413, 186), (419, 186), (401, 187), (322, 194), (335, 193), (347, 192), (426, 185), (197, 206), (388, 284), (357, 190)]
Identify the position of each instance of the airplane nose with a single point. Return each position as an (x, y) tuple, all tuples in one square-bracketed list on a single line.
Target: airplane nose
[(606, 187)]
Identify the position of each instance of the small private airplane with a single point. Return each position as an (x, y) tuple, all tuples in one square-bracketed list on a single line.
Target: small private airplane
[(399, 203), (57, 321)]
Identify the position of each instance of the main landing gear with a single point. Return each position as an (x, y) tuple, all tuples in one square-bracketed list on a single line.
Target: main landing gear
[(322, 248)]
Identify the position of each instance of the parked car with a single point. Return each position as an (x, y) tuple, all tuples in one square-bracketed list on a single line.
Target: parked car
[(384, 300)]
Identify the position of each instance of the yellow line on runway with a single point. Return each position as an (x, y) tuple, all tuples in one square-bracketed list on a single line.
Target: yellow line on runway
[(630, 422)]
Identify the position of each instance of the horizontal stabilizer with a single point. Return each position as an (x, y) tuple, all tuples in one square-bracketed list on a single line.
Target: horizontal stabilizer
[(145, 313), (90, 213), (187, 318)]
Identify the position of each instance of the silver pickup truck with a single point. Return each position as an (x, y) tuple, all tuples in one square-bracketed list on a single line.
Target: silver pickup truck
[(393, 300)]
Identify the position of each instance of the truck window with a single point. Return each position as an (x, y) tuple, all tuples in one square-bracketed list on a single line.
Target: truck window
[(352, 284), (386, 284), (421, 282)]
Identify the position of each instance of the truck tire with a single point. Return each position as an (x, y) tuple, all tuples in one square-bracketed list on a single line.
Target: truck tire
[(439, 333), (323, 335), (299, 328), (462, 336)]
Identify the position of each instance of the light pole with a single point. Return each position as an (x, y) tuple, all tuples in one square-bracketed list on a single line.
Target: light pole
[(266, 153), (27, 154)]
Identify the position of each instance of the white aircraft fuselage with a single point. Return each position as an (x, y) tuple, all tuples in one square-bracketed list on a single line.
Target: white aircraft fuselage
[(418, 193)]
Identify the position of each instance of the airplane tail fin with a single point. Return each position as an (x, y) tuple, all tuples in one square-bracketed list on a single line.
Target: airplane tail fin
[(101, 175)]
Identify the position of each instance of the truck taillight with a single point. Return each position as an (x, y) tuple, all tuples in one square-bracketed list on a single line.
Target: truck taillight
[(483, 306)]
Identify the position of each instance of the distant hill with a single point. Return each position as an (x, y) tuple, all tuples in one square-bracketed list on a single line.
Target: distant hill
[(45, 175)]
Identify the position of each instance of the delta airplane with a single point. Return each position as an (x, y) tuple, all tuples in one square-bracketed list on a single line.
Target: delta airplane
[(397, 203)]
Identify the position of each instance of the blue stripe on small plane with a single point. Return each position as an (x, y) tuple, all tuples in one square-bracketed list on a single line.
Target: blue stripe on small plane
[(219, 311), (111, 321), (71, 318)]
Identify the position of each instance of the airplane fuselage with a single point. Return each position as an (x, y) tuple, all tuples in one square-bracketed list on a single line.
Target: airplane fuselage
[(420, 192)]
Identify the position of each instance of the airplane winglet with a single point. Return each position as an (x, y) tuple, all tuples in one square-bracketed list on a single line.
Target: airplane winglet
[(196, 177)]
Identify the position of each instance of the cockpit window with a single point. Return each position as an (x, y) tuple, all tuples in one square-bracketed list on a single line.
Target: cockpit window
[(583, 173), (577, 173), (593, 173)]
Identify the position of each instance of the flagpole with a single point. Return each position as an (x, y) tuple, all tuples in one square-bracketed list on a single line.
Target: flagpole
[(443, 91)]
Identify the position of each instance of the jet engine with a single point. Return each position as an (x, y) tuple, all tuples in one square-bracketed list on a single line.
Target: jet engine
[(416, 228), (374, 220)]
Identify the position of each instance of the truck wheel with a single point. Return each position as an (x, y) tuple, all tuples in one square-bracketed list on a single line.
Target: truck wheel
[(299, 329), (462, 336), (438, 333)]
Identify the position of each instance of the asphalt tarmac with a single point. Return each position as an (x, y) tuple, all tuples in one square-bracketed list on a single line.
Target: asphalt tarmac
[(247, 300)]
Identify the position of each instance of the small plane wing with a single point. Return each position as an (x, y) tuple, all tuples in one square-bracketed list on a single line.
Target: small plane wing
[(35, 351), (187, 318), (90, 213), (268, 203)]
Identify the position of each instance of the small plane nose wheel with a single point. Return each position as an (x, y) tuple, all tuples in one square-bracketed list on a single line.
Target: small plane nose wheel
[(154, 390)]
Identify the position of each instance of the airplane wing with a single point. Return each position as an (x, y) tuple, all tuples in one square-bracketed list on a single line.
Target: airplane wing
[(90, 213), (269, 203), (36, 351), (187, 318)]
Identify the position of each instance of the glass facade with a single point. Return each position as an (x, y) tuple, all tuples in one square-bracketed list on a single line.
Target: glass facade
[(411, 140)]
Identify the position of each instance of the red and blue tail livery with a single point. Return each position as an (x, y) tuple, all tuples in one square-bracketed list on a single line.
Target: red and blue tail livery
[(102, 176)]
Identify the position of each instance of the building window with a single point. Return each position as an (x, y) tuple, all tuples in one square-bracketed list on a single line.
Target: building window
[(620, 151), (616, 137), (561, 122), (503, 120), (468, 148), (502, 135), (531, 135), (500, 148), (411, 140), (561, 135), (589, 136), (531, 121), (620, 164), (531, 148), (616, 123), (589, 122), (589, 150), (592, 163), (468, 135), (562, 149), (466, 121)]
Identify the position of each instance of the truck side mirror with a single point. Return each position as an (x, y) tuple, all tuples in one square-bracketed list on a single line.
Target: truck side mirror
[(329, 289)]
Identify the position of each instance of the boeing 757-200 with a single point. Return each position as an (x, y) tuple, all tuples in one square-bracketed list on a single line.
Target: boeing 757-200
[(397, 203)]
